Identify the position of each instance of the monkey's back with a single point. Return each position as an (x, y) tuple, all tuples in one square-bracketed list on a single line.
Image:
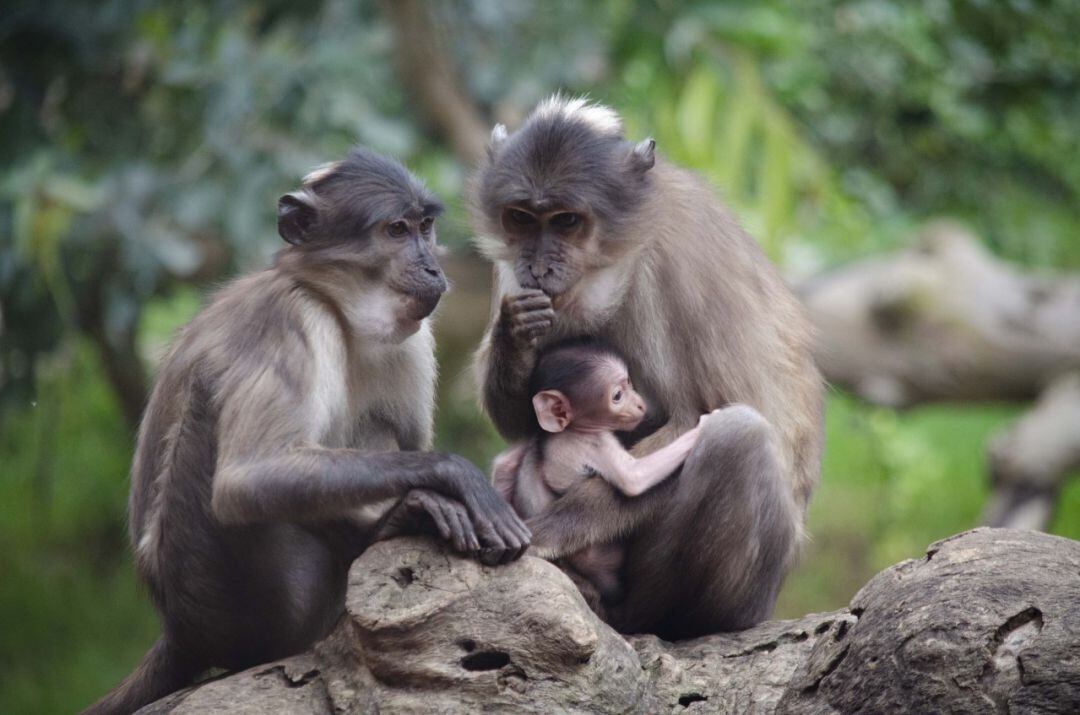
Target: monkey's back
[(190, 560), (723, 326)]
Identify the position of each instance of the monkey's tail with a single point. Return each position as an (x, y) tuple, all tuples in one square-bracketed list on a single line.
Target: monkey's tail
[(161, 671)]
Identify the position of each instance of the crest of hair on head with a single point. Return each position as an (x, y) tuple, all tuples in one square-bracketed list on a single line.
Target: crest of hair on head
[(600, 118), (320, 172)]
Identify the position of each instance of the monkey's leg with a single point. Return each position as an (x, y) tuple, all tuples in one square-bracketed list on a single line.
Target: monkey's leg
[(586, 587), (715, 558)]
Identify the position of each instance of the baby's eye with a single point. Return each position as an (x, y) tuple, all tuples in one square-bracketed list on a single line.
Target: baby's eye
[(617, 396)]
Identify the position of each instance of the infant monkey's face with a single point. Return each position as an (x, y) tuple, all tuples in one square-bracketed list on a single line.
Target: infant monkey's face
[(621, 406)]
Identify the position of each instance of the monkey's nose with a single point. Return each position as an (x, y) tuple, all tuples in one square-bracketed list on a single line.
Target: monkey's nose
[(539, 272)]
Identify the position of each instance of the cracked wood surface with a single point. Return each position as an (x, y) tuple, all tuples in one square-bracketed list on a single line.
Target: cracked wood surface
[(987, 622)]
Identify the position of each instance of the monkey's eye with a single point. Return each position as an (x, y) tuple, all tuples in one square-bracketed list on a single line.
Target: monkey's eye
[(426, 224), (397, 229), (521, 218), (565, 220), (617, 397)]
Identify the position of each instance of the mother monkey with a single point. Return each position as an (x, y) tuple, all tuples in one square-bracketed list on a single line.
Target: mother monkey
[(590, 235)]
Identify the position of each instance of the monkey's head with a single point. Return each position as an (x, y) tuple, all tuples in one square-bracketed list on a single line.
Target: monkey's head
[(363, 229), (584, 384), (552, 199)]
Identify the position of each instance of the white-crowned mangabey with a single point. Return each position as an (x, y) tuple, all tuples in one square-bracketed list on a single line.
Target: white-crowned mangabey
[(582, 396), (286, 431), (592, 235)]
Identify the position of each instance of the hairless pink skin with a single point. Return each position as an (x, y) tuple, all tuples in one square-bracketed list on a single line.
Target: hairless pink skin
[(582, 443)]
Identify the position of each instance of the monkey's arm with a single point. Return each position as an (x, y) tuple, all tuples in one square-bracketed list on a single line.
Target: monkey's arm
[(270, 468), (662, 437), (634, 476), (507, 357)]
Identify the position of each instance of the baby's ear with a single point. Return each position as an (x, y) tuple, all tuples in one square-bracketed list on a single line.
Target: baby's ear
[(552, 410)]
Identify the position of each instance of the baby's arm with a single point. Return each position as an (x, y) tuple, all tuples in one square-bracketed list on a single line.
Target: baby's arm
[(635, 476)]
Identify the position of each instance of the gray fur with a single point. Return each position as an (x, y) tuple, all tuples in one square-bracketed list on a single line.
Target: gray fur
[(278, 440)]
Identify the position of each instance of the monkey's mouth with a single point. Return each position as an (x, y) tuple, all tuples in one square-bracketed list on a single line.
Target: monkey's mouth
[(421, 304)]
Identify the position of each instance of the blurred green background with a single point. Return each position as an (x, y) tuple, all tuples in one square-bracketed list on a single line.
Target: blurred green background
[(144, 144)]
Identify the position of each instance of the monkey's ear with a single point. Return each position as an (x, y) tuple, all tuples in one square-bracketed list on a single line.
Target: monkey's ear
[(643, 155), (552, 410), (498, 138), (295, 216)]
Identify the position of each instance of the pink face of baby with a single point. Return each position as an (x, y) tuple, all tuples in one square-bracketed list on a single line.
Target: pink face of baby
[(604, 401), (619, 407)]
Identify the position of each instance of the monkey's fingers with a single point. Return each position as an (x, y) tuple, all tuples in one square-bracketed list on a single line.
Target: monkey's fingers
[(465, 539), (532, 330), (525, 293), (487, 534), (521, 534), (435, 511), (471, 540), (534, 301), (516, 536), (457, 531), (539, 316)]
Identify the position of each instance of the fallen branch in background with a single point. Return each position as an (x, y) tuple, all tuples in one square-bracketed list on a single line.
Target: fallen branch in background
[(1029, 461), (947, 321), (986, 621)]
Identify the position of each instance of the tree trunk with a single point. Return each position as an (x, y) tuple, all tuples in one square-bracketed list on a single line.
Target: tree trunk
[(427, 71), (986, 622)]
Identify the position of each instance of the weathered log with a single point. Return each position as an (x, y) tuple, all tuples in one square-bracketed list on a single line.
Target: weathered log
[(947, 321), (986, 622), (944, 320)]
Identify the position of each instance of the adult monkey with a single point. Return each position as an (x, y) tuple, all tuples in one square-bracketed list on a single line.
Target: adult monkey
[(283, 435), (590, 234)]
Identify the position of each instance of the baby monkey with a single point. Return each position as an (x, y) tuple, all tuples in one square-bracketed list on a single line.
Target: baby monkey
[(582, 396)]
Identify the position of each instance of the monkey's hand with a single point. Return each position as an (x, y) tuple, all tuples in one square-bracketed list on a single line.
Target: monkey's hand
[(502, 535), (526, 317), (422, 510)]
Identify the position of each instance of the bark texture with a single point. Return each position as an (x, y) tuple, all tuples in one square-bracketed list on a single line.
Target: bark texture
[(987, 622), (427, 70)]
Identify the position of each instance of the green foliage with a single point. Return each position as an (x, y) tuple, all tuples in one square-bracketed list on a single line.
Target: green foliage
[(71, 617)]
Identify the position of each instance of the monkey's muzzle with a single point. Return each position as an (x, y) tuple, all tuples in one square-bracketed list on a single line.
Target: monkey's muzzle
[(421, 304)]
